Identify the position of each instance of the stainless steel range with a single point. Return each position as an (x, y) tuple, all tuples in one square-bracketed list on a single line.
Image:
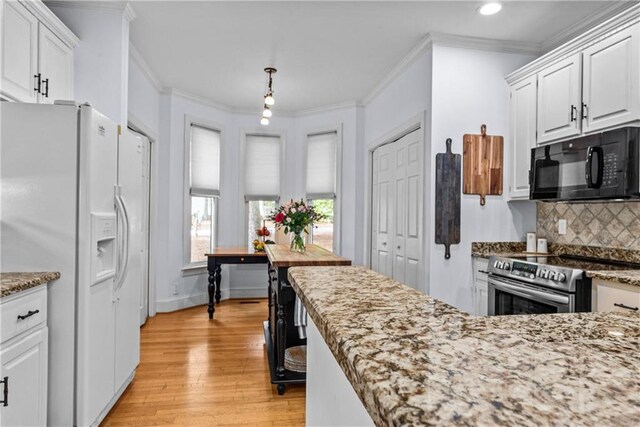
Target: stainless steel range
[(542, 284)]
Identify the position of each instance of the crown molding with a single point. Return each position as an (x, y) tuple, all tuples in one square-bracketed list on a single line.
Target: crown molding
[(594, 19), (630, 16), (450, 40), (124, 7), (327, 108), (415, 53), (197, 98), (50, 20), (148, 72)]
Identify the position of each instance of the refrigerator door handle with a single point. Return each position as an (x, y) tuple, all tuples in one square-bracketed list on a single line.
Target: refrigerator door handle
[(122, 232), (127, 238)]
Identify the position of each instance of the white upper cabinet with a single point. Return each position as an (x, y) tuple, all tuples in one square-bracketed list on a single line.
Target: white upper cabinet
[(56, 67), (611, 81), (522, 111), (559, 100), (19, 52), (37, 54)]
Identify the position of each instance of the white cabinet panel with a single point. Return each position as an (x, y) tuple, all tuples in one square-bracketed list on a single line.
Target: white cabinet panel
[(19, 52), (481, 286), (522, 134), (611, 81), (559, 100), (24, 363), (613, 296), (56, 67)]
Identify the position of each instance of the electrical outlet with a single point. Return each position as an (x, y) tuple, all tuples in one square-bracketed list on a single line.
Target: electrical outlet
[(562, 226), (176, 289)]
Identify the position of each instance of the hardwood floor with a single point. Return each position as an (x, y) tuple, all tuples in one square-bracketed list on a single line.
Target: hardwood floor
[(196, 371)]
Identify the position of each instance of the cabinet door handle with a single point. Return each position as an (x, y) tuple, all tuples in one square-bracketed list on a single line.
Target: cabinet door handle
[(584, 111), (483, 272), (574, 113), (46, 88), (617, 304), (5, 391), (29, 314), (38, 82)]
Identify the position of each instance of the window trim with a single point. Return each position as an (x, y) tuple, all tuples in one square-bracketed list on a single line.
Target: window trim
[(337, 200), (186, 250), (244, 204)]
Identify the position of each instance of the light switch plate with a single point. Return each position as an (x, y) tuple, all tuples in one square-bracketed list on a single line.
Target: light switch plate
[(562, 226)]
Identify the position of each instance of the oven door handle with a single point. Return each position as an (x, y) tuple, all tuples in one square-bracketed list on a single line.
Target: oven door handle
[(526, 292)]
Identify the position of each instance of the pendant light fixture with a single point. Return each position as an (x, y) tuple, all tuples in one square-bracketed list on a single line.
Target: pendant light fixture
[(269, 100)]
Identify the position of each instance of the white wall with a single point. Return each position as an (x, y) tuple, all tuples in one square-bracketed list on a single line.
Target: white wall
[(143, 98), (101, 59), (468, 90)]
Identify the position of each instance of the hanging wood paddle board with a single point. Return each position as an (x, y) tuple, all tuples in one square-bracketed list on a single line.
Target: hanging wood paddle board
[(483, 164), (447, 199)]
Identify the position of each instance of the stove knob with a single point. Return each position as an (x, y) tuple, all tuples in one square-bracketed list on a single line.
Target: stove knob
[(553, 275), (539, 272), (496, 264), (561, 277), (506, 266), (545, 274)]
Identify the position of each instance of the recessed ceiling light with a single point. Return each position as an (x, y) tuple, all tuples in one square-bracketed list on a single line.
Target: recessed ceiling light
[(490, 8)]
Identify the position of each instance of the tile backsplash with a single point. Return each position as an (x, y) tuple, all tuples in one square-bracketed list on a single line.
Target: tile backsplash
[(611, 224)]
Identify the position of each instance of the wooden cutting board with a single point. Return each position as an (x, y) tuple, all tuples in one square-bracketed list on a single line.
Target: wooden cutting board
[(447, 199), (483, 164)]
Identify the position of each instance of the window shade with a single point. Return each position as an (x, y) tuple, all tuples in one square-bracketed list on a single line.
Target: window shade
[(321, 165), (205, 162), (262, 167)]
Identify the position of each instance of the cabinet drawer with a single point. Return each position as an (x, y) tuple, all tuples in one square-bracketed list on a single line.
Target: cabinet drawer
[(34, 302), (615, 297)]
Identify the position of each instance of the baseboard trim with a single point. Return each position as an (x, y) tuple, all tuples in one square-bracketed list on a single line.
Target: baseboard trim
[(188, 301)]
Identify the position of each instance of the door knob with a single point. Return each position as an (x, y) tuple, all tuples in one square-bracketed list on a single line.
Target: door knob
[(398, 246), (384, 243)]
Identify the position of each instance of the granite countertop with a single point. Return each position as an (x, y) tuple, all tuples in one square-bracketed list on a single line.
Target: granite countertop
[(512, 249), (11, 283), (415, 360)]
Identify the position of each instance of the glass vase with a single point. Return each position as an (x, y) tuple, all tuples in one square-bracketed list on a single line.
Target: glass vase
[(298, 242)]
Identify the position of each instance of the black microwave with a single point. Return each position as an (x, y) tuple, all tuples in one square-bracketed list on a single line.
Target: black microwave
[(600, 166)]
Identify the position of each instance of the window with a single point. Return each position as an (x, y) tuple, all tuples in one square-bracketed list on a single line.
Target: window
[(261, 182), (204, 189), (322, 167)]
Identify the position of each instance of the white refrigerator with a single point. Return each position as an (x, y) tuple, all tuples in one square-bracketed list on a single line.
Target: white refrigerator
[(72, 202)]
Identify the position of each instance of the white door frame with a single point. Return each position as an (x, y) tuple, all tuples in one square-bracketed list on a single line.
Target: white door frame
[(139, 126), (417, 122)]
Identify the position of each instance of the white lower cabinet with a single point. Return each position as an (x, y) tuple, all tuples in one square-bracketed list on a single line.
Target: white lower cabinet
[(615, 296), (481, 286), (23, 359)]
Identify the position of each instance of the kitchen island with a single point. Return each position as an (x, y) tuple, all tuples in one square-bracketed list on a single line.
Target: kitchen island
[(413, 360)]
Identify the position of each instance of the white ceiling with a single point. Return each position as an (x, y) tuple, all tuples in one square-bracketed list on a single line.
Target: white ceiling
[(326, 52)]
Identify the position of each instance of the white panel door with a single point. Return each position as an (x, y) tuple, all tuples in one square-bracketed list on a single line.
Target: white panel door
[(25, 365), (384, 208), (399, 203), (19, 52), (130, 180), (413, 210), (523, 135), (559, 100), (397, 209), (56, 67), (611, 81)]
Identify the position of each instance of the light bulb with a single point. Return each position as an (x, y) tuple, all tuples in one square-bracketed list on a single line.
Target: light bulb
[(264, 121), (269, 100), (490, 8), (266, 112)]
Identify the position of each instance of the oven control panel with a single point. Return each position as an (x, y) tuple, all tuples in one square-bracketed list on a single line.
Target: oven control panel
[(523, 269)]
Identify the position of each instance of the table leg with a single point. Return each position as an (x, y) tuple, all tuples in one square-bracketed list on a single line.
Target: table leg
[(281, 340), (211, 289), (218, 280)]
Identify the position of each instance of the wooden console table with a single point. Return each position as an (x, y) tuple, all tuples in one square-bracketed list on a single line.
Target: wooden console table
[(240, 255), (280, 332)]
